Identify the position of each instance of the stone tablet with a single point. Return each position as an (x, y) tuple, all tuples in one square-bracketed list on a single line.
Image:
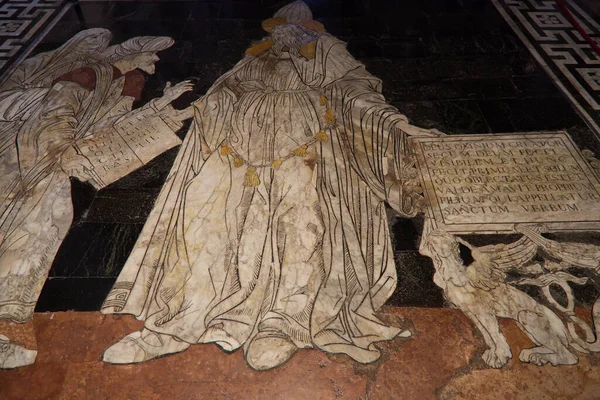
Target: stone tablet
[(488, 183), (126, 147)]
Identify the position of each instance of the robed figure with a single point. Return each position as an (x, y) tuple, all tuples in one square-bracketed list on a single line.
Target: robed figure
[(270, 232), (46, 110)]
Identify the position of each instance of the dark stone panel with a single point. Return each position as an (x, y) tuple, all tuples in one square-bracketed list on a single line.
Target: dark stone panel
[(425, 114), (480, 44), (95, 250), (586, 294), (229, 31), (415, 286), (479, 6), (257, 3), (122, 206), (575, 237), (422, 90), (443, 68), (246, 10), (523, 64), (402, 24), (522, 115), (336, 8), (82, 197), (486, 88), (485, 240), (365, 48), (404, 47), (535, 86), (462, 117), (73, 294), (95, 12), (457, 23), (499, 114), (584, 138), (393, 73), (406, 233), (489, 66), (348, 28)]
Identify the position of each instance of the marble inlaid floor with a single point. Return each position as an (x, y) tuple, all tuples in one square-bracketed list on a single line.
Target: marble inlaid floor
[(458, 68), (554, 33), (454, 66), (22, 25), (440, 362)]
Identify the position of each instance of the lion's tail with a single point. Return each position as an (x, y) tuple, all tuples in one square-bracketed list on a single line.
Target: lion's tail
[(591, 343)]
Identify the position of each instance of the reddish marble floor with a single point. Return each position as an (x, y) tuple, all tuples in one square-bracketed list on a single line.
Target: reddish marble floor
[(440, 361)]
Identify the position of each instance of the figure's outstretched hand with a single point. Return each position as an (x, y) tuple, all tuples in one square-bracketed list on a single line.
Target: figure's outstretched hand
[(76, 165), (412, 130), (173, 92), (436, 133), (182, 115)]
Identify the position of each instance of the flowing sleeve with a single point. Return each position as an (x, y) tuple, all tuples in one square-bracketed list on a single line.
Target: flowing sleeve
[(20, 104), (376, 139), (51, 129), (213, 114), (22, 75)]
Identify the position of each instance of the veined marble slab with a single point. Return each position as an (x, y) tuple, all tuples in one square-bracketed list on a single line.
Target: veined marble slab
[(487, 183)]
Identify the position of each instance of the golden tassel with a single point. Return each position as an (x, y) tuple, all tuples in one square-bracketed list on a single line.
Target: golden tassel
[(251, 177), (226, 150), (277, 163), (321, 136), (323, 101), (329, 117), (301, 151), (238, 161)]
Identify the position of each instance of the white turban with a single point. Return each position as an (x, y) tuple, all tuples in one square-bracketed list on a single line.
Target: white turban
[(137, 45), (296, 11)]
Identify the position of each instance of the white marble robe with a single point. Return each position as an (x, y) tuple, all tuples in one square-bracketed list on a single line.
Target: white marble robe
[(35, 202), (308, 251)]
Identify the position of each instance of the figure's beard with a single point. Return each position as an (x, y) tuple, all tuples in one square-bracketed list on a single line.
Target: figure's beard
[(291, 37), (282, 43)]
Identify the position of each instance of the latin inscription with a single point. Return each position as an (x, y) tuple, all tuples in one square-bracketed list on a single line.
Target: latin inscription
[(504, 179), (126, 147)]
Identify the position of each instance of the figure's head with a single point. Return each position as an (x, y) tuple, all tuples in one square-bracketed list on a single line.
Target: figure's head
[(441, 243), (97, 40), (293, 26), (89, 41), (143, 61), (139, 52)]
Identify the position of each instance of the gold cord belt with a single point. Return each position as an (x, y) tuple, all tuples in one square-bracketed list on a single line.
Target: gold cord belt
[(251, 178)]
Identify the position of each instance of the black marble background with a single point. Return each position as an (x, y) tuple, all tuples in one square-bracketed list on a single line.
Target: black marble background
[(454, 65)]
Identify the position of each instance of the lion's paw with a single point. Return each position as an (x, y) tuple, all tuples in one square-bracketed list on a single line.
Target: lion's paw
[(530, 356), (496, 359), (542, 356)]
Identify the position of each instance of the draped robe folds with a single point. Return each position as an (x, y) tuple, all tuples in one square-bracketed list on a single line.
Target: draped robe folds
[(25, 88), (35, 204), (308, 251)]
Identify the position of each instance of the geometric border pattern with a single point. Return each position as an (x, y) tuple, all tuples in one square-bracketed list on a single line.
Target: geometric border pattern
[(23, 23), (561, 49)]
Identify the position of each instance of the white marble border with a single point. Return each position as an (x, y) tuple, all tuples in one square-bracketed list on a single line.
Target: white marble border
[(39, 36), (517, 27)]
